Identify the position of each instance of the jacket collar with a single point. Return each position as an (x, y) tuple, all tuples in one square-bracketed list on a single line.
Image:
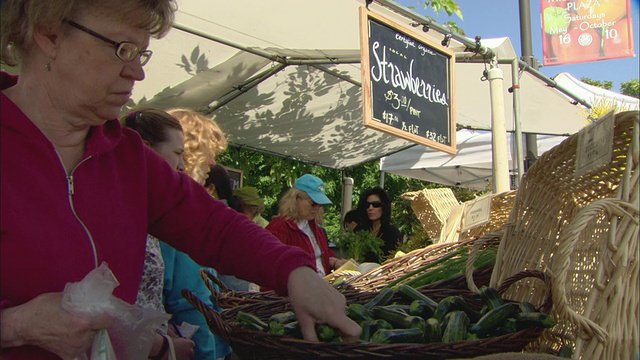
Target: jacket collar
[(99, 140)]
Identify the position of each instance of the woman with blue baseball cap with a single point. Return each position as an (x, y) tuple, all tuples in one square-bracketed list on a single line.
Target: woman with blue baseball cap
[(296, 223)]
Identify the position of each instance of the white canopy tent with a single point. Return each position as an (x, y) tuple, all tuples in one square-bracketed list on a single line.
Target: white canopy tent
[(471, 167), (594, 94), (283, 77)]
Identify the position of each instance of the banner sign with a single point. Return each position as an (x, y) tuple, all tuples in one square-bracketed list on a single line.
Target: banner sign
[(407, 84), (585, 30)]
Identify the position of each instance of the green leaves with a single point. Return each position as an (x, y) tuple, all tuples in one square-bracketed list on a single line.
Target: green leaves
[(356, 244)]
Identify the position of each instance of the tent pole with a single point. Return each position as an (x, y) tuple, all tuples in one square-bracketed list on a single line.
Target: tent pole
[(515, 81), (498, 130), (347, 195)]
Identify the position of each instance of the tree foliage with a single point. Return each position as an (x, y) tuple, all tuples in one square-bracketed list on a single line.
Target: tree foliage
[(631, 88), (601, 84), (273, 175)]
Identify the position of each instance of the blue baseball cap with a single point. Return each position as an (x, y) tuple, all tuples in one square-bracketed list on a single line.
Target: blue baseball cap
[(314, 187)]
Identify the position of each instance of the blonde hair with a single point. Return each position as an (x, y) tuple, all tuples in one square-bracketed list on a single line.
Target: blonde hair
[(288, 206), (20, 18), (203, 141)]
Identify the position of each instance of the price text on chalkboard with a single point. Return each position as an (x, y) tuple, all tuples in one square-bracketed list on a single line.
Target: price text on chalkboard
[(407, 84)]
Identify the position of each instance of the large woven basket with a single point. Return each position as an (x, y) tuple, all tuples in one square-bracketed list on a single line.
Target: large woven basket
[(408, 263), (501, 205), (432, 208), (226, 298), (585, 230), (250, 344)]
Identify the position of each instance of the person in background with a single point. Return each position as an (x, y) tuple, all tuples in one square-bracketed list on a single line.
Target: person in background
[(248, 201), (374, 207), (218, 183), (296, 222), (163, 133), (203, 141), (351, 220), (92, 188)]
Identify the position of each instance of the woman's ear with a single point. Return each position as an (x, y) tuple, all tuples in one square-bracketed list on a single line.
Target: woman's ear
[(47, 39), (146, 142)]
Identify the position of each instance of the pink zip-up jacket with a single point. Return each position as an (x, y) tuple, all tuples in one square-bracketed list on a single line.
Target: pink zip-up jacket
[(55, 228)]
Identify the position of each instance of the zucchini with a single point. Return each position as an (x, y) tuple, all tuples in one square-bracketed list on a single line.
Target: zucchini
[(292, 329), (325, 333), (251, 322), (456, 328), (359, 313), (398, 318), (492, 320), (382, 299), (412, 294), (382, 324), (433, 332), (402, 307), (491, 297), (534, 319), (420, 308), (526, 307), (453, 303), (508, 326), (283, 318), (394, 336), (276, 328), (368, 328)]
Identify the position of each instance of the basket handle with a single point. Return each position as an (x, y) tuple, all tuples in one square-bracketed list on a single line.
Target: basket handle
[(562, 259), (211, 280), (547, 279), (475, 248), (216, 324)]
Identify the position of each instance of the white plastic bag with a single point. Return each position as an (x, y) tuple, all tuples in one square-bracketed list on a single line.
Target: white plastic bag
[(132, 332)]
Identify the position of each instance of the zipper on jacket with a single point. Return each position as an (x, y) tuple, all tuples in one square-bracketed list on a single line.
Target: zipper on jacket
[(70, 192)]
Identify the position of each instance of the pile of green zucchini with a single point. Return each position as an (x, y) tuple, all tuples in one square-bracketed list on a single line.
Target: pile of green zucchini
[(416, 319)]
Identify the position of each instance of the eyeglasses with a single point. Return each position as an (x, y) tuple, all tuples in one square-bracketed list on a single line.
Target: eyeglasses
[(125, 50), (375, 204)]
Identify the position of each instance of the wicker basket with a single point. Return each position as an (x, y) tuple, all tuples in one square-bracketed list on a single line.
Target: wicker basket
[(401, 266), (250, 344), (501, 205), (227, 298), (585, 230), (432, 207)]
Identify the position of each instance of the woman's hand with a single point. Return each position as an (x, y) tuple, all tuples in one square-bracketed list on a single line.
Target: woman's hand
[(44, 323), (315, 301), (337, 262), (184, 348)]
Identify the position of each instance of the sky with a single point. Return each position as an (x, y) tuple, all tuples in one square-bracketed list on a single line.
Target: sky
[(500, 18)]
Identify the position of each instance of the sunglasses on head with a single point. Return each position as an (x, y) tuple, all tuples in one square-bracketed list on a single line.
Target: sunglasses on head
[(375, 204)]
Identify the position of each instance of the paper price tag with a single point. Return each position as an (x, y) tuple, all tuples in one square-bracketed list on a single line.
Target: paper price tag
[(595, 145), (476, 212)]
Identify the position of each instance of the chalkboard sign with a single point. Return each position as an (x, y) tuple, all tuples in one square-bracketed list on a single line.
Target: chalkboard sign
[(236, 177), (407, 84)]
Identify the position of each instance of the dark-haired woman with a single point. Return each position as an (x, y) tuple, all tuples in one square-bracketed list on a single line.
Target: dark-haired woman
[(375, 212)]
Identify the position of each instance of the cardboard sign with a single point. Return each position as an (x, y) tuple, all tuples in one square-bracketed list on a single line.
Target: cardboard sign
[(476, 212), (407, 84), (595, 145), (576, 31)]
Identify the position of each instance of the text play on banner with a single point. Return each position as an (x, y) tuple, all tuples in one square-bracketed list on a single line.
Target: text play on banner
[(585, 30)]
